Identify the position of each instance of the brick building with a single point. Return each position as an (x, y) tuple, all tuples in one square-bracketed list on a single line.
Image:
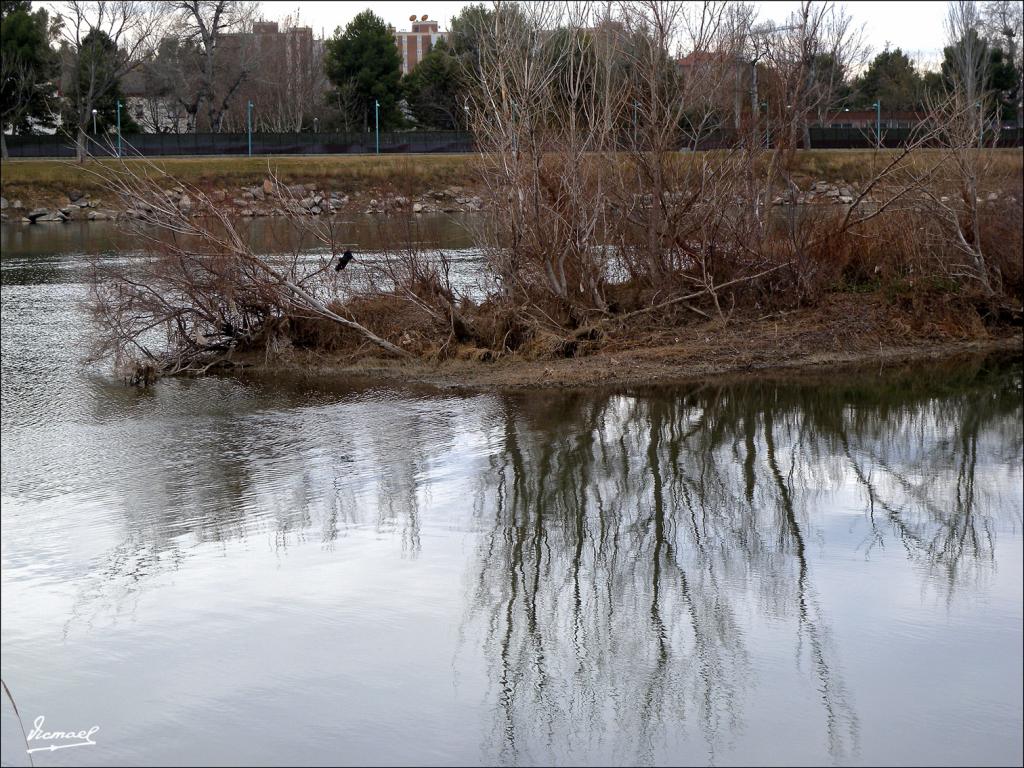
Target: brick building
[(865, 118), (415, 44)]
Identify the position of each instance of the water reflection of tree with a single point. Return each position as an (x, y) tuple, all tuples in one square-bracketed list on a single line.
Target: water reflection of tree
[(626, 535), (265, 476)]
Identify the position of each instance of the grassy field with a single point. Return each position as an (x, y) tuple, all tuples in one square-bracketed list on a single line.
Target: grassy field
[(46, 181), (38, 180)]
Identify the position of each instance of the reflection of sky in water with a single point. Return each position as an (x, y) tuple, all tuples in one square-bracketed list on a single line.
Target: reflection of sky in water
[(242, 572)]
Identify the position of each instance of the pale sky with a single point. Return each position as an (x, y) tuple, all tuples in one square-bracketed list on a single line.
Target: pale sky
[(916, 27)]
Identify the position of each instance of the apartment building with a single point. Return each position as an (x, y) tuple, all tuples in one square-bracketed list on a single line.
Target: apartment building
[(414, 44)]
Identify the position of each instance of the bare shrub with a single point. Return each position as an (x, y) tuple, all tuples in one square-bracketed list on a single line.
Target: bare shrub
[(202, 292)]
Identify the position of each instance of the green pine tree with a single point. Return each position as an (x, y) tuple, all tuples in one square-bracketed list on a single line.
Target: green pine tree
[(363, 61)]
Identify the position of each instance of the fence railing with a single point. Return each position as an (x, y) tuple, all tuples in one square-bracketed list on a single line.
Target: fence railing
[(857, 138), (166, 144), (170, 144)]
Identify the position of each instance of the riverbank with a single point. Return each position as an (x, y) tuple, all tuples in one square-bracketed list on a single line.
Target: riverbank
[(58, 190), (844, 331), (47, 191)]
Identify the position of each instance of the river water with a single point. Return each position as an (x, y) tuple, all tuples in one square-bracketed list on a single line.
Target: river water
[(230, 571)]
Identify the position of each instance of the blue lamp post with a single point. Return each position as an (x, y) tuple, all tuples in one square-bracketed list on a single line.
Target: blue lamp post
[(376, 122), (878, 123), (248, 119), (119, 128)]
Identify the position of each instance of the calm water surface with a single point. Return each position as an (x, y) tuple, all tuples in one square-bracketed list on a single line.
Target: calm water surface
[(226, 571)]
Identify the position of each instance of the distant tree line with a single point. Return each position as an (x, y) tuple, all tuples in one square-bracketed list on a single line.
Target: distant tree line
[(190, 62)]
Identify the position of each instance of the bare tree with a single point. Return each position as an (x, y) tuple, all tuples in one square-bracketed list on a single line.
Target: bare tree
[(810, 56), (960, 113), (290, 82), (215, 30), (103, 41), (170, 76)]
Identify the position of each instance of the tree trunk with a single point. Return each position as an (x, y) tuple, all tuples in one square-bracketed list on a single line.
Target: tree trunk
[(80, 145), (3, 145)]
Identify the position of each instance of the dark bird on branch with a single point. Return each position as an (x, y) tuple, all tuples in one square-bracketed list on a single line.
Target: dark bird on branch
[(343, 261)]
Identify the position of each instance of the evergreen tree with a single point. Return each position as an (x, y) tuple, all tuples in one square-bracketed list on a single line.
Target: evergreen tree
[(892, 77), (433, 90), (29, 65), (363, 63), (96, 67)]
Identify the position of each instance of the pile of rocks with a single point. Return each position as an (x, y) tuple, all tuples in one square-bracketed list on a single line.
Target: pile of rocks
[(820, 192), (266, 199), (79, 206)]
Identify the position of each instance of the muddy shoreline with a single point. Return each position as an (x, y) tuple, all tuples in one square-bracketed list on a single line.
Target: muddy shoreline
[(628, 369)]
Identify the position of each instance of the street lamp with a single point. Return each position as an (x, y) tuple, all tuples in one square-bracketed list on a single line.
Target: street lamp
[(94, 122), (118, 127), (248, 122), (376, 121), (878, 123), (316, 125)]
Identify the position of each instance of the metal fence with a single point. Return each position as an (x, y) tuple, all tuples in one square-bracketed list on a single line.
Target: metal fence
[(169, 144), (165, 144), (893, 138), (857, 138)]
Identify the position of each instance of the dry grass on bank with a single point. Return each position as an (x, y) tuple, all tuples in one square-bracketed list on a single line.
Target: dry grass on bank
[(45, 181)]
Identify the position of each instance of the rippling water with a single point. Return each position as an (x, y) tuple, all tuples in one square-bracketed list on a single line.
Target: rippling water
[(241, 571)]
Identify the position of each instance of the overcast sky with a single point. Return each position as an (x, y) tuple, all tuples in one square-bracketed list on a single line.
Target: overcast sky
[(916, 27)]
